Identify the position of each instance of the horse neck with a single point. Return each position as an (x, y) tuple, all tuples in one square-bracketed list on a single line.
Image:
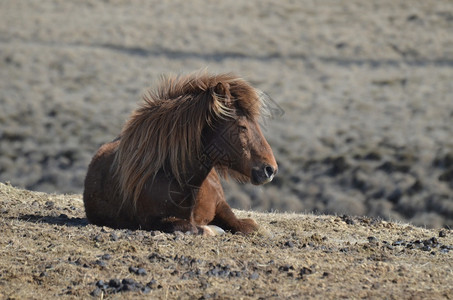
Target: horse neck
[(203, 164), (198, 172)]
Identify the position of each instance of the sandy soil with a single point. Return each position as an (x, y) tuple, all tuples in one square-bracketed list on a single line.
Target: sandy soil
[(365, 86), (48, 250)]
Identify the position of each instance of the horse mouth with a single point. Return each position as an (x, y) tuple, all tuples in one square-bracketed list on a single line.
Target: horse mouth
[(263, 175), (268, 180)]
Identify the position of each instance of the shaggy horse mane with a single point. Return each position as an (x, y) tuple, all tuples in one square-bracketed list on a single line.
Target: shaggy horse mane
[(165, 132)]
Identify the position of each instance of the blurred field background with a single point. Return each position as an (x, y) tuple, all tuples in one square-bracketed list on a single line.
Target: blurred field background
[(366, 86)]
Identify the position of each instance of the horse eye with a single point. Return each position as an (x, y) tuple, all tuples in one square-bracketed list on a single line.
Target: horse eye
[(242, 128)]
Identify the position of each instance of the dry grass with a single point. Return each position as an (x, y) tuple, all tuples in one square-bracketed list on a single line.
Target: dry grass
[(365, 86), (48, 250)]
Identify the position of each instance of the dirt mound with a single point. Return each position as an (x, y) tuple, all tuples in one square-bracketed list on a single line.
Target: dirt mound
[(49, 250)]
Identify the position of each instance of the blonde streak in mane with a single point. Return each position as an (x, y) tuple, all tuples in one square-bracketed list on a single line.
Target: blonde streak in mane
[(129, 171), (223, 111), (136, 162), (182, 137), (265, 104)]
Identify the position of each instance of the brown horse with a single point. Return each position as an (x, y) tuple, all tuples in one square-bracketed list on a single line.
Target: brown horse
[(162, 172)]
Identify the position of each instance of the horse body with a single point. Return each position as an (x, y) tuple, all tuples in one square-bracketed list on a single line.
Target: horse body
[(141, 180)]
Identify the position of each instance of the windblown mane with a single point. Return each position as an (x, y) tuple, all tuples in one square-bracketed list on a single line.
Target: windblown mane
[(164, 133)]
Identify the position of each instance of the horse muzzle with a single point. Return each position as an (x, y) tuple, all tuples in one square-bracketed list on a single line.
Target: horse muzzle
[(263, 174)]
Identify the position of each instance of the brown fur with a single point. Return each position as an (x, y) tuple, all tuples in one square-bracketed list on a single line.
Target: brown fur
[(163, 143)]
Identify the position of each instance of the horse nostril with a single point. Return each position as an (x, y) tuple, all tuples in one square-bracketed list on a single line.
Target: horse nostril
[(269, 171)]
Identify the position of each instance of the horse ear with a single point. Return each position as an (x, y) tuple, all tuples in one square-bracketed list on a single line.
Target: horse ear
[(222, 89)]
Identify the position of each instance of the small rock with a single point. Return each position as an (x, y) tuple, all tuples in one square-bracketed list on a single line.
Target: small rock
[(156, 258), (115, 283), (442, 233), (372, 239), (236, 274), (348, 220), (113, 236), (137, 271), (434, 241), (254, 276), (153, 285), (399, 243), (426, 248), (106, 256), (141, 272), (96, 292), (128, 281), (418, 244), (305, 271), (289, 244), (50, 204), (100, 283), (285, 268), (100, 263)]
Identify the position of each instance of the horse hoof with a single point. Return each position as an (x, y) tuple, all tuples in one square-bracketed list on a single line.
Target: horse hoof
[(216, 229), (211, 230)]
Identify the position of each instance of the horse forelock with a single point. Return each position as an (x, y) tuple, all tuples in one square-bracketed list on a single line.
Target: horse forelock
[(165, 132)]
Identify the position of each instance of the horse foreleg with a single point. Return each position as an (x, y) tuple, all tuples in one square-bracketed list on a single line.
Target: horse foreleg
[(226, 219), (172, 224)]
